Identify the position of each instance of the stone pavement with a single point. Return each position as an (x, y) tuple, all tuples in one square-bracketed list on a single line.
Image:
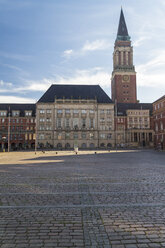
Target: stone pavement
[(109, 200)]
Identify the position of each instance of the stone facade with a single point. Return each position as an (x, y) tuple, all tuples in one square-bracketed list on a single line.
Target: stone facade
[(70, 123), (133, 125)]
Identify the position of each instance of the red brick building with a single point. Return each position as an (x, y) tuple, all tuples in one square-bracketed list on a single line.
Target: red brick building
[(123, 83), (17, 126), (159, 123)]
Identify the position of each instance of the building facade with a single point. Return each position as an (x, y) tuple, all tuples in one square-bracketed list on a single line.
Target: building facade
[(71, 116), (17, 126), (133, 124), (159, 123)]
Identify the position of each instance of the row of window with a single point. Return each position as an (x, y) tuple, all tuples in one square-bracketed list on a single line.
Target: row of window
[(83, 145), (77, 136), (15, 113), (138, 119), (75, 111), (138, 126), (20, 137), (159, 116), (157, 126), (159, 105), (142, 112), (29, 120), (17, 128)]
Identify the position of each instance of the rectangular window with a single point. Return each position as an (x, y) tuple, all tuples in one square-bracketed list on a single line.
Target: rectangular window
[(102, 111), (48, 127), (15, 113), (75, 135), (59, 111), (41, 136), (83, 111), (83, 122), (67, 111), (91, 111), (59, 136), (102, 135), (3, 113), (48, 111), (48, 120), (67, 135), (109, 136), (67, 122), (91, 135), (28, 113), (75, 111), (58, 123), (91, 123), (75, 122), (108, 111), (83, 135), (42, 111), (41, 120), (102, 120)]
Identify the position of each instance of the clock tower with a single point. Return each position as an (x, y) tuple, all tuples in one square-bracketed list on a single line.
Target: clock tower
[(123, 84)]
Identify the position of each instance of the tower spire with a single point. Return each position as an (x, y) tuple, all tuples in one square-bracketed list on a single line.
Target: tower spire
[(122, 33)]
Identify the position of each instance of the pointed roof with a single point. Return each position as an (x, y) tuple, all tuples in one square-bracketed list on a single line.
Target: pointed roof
[(122, 33)]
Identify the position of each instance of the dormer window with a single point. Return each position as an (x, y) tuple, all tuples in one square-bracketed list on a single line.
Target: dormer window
[(28, 113), (3, 113), (15, 113)]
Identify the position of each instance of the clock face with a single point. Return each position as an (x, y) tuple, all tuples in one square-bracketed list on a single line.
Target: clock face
[(125, 78)]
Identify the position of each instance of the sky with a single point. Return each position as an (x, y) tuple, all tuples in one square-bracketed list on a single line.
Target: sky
[(44, 42)]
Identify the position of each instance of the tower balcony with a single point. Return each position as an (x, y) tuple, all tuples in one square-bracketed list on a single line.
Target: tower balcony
[(124, 68)]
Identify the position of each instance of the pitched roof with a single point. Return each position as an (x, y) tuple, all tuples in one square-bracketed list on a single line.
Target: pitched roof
[(161, 98), (18, 106), (75, 92), (122, 33), (123, 107)]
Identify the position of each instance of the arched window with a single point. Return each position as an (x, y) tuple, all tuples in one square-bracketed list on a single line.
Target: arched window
[(59, 145), (92, 146), (83, 145), (67, 146)]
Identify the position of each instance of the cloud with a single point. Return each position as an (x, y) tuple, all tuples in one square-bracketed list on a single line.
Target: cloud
[(93, 76), (5, 86), (140, 41), (20, 57), (88, 46), (68, 53), (152, 73), (96, 45), (2, 83), (21, 72), (15, 99)]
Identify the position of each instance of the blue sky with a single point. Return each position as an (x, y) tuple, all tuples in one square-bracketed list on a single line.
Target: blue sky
[(71, 41)]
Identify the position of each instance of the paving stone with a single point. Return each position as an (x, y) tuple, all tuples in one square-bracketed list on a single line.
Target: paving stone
[(105, 200)]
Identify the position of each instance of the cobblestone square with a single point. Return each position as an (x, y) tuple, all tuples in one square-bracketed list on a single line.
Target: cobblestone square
[(109, 199)]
